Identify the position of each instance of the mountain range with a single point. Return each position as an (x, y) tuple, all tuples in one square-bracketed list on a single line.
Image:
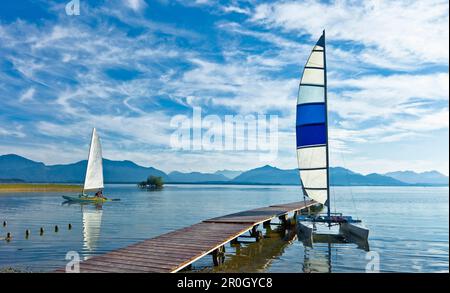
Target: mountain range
[(14, 167), (338, 176), (17, 167), (230, 174), (430, 177)]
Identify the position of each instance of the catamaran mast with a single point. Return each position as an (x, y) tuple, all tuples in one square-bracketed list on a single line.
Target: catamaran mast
[(326, 127)]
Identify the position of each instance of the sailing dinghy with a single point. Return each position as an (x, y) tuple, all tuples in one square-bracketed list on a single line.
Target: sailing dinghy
[(313, 152), (93, 181)]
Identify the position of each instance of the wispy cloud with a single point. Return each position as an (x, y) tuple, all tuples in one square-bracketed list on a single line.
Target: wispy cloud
[(27, 95), (408, 32), (136, 5)]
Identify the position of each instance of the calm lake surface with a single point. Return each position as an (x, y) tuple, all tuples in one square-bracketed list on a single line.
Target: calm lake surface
[(408, 227)]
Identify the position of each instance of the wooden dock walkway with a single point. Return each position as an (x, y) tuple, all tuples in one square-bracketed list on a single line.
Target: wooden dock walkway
[(175, 250)]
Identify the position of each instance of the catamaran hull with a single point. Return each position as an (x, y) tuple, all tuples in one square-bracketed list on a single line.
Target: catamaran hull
[(354, 230)]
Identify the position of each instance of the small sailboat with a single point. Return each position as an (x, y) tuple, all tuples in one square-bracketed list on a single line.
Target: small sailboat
[(313, 150), (93, 181)]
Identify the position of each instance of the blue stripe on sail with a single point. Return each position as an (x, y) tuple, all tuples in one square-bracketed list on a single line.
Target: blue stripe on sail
[(310, 113), (309, 94), (311, 134)]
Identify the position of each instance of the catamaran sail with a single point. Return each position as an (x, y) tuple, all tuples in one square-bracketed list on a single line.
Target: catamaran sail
[(94, 172), (311, 126), (312, 147)]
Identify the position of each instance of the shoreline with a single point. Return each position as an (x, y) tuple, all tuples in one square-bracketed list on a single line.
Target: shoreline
[(33, 187)]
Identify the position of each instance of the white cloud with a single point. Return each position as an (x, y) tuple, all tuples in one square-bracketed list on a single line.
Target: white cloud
[(430, 121), (235, 85), (376, 96), (27, 95), (235, 9), (136, 5), (16, 132), (402, 31)]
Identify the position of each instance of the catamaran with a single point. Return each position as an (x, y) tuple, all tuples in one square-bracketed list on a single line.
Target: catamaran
[(93, 181), (313, 149)]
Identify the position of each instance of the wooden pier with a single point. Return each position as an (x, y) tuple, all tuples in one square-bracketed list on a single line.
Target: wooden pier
[(173, 251)]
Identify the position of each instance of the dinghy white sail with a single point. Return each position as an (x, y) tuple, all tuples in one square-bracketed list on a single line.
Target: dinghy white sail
[(313, 147), (93, 181), (94, 172)]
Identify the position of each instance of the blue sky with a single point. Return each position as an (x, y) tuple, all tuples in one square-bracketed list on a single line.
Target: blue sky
[(128, 67)]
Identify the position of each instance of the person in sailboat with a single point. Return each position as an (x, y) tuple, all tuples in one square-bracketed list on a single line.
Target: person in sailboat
[(99, 194)]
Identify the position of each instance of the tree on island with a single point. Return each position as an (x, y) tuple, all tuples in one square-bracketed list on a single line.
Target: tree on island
[(152, 182)]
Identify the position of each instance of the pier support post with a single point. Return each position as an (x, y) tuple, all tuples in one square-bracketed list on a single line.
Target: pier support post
[(218, 256), (256, 233), (283, 219), (268, 229), (293, 220)]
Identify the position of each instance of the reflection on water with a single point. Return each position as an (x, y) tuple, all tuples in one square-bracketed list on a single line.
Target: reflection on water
[(408, 227), (320, 262), (256, 256), (92, 221)]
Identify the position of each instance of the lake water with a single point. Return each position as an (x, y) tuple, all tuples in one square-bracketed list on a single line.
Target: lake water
[(408, 227)]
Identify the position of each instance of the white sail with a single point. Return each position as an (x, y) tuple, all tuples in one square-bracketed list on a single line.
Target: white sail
[(94, 171), (311, 126)]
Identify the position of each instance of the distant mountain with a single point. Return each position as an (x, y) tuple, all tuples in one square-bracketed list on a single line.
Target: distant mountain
[(195, 177), (338, 176), (127, 171), (268, 175), (13, 166), (430, 177), (230, 174), (343, 177)]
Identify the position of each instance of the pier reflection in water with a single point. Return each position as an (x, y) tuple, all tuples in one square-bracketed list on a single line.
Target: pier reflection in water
[(257, 256)]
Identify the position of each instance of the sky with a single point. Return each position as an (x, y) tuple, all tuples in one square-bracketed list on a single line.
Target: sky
[(129, 67)]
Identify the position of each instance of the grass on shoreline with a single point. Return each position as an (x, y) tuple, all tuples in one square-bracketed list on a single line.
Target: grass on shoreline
[(12, 270), (34, 187)]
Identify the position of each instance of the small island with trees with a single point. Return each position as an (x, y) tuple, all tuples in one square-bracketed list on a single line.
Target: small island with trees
[(152, 183)]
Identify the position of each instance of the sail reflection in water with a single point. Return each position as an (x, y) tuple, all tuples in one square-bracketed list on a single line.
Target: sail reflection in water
[(92, 221)]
